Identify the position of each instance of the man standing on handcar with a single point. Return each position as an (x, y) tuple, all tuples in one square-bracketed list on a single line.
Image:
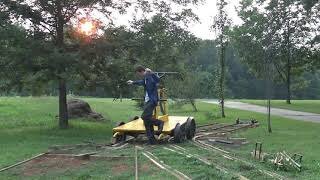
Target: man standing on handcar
[(150, 82)]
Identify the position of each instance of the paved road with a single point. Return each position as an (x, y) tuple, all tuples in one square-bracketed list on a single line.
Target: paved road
[(298, 115)]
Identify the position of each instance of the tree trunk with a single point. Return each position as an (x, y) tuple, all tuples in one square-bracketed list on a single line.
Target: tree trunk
[(288, 78), (288, 64), (288, 86), (268, 74), (63, 109), (222, 73)]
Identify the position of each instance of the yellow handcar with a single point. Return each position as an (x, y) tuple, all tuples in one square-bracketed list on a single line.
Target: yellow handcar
[(178, 127)]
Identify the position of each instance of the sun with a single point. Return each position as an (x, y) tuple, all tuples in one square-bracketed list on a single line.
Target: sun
[(87, 27)]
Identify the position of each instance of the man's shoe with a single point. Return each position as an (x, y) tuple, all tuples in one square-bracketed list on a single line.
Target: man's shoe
[(153, 142)]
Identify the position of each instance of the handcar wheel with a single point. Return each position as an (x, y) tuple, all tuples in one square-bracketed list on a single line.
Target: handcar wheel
[(135, 118), (119, 138), (190, 128), (178, 133)]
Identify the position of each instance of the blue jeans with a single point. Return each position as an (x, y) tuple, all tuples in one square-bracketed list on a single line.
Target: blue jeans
[(149, 121)]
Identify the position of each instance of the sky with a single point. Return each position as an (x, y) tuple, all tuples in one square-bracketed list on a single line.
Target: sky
[(205, 11)]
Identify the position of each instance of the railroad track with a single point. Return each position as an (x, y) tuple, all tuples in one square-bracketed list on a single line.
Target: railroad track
[(184, 152), (209, 130), (227, 155), (224, 127), (205, 132), (174, 172)]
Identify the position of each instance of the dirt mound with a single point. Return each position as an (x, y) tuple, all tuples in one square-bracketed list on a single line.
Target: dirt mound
[(78, 108)]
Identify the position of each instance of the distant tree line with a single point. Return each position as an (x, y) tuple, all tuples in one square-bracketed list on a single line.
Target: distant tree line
[(199, 69), (241, 82)]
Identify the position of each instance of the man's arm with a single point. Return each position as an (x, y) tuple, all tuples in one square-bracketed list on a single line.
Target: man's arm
[(138, 82)]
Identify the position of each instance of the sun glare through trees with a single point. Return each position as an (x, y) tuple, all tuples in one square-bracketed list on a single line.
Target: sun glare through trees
[(87, 27)]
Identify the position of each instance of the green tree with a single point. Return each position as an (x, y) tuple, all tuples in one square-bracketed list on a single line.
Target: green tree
[(162, 44), (313, 8), (276, 35), (291, 30), (221, 26), (184, 88), (14, 55), (51, 17), (49, 22)]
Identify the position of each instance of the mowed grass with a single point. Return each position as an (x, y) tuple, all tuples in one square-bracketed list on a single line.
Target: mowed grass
[(28, 126), (312, 106)]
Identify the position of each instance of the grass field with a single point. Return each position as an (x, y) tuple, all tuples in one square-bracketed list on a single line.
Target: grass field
[(28, 126), (312, 106)]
